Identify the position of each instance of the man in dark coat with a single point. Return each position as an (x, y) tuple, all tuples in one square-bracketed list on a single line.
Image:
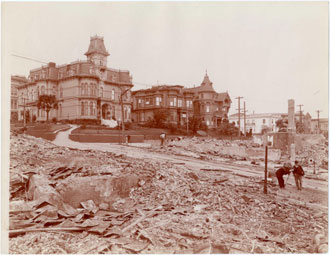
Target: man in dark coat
[(282, 171), (298, 173)]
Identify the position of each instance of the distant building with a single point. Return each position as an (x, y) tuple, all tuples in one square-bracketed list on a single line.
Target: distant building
[(257, 122), (323, 128), (84, 89), (16, 81), (202, 101), (267, 121)]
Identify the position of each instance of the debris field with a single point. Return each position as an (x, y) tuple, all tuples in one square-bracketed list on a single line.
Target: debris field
[(66, 200)]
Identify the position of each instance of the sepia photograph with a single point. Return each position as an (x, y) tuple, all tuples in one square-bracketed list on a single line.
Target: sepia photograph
[(165, 127)]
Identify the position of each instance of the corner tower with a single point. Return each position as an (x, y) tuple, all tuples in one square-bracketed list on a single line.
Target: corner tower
[(96, 51)]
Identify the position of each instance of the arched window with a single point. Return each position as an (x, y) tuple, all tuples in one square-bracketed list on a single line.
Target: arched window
[(113, 94), (42, 90)]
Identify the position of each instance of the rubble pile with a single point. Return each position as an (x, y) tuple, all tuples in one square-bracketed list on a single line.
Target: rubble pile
[(138, 206), (314, 152), (220, 150)]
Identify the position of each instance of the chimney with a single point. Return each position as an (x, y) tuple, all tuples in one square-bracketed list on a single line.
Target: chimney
[(52, 64)]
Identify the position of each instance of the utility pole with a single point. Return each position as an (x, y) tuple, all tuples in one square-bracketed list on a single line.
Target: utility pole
[(318, 121), (239, 115), (187, 119), (266, 172), (122, 114), (244, 119), (24, 113), (300, 115)]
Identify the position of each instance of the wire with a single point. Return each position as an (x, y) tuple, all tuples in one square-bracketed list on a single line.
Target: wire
[(18, 56)]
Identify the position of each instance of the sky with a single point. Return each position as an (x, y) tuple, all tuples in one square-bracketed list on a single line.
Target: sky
[(266, 52)]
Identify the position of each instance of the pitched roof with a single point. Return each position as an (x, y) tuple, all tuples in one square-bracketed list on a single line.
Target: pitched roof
[(222, 96), (96, 45)]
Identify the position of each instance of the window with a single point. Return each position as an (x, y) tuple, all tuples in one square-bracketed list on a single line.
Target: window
[(263, 121), (171, 103), (149, 101), (175, 101), (86, 108), (207, 123), (42, 90), (125, 114), (202, 96), (179, 102), (82, 109), (207, 108), (60, 109), (158, 100), (101, 92), (113, 94), (91, 108)]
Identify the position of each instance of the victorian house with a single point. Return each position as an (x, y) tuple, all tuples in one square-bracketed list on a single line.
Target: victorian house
[(84, 89), (202, 101), (16, 81)]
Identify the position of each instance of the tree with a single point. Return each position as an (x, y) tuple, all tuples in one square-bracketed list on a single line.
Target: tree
[(227, 128), (160, 117), (47, 102), (282, 124), (195, 123)]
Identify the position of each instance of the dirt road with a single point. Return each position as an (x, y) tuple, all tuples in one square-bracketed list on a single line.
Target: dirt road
[(315, 192)]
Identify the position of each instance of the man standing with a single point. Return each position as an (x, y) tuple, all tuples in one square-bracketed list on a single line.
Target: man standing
[(162, 139), (283, 171), (298, 173)]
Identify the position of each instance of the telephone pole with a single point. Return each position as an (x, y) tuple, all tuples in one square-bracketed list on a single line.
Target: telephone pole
[(318, 121), (24, 113), (122, 115), (300, 116), (244, 119), (239, 115)]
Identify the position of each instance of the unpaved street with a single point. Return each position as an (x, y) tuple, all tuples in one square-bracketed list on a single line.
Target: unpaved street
[(314, 190)]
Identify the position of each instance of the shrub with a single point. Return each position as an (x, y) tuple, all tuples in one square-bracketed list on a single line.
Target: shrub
[(34, 118), (54, 120)]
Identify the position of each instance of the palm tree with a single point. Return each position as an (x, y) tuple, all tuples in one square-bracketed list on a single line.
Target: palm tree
[(47, 102)]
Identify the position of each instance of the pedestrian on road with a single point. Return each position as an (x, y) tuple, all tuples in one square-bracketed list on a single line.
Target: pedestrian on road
[(283, 171), (298, 173), (162, 139)]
